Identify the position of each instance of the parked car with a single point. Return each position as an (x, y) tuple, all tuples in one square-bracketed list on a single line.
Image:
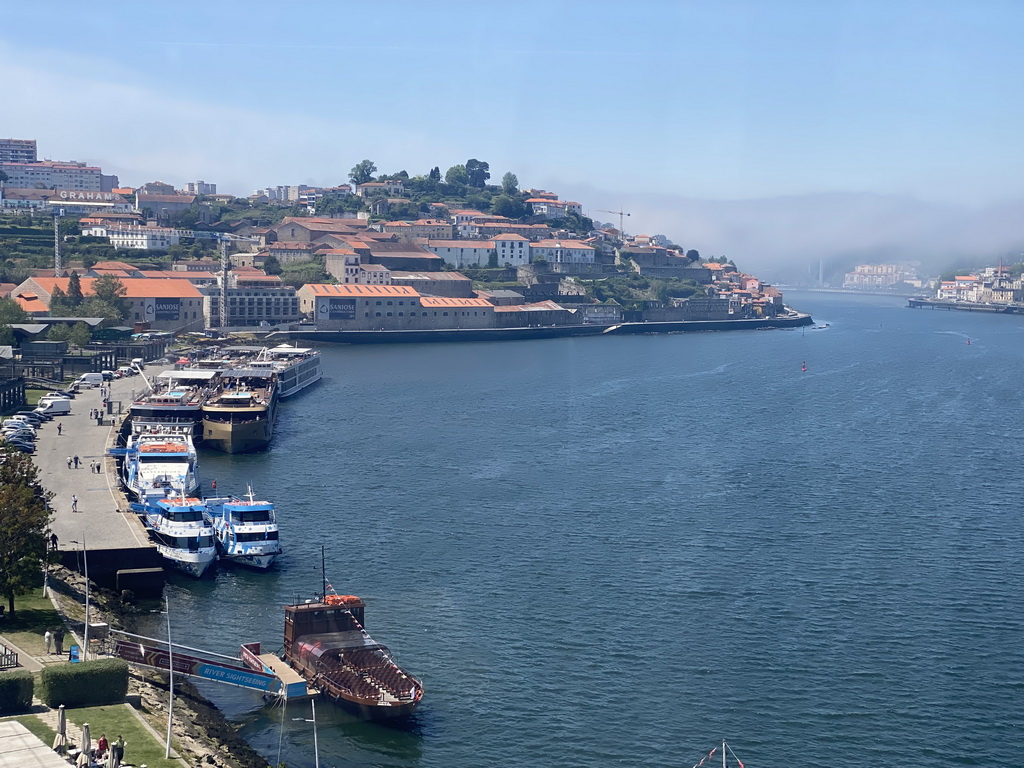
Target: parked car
[(24, 437)]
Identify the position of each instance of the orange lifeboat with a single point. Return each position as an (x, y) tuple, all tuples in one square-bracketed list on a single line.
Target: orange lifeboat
[(341, 599)]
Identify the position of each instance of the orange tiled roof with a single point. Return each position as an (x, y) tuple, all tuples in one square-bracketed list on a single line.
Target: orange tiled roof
[(31, 303), (324, 289), (573, 244), (444, 301), (485, 244), (135, 287)]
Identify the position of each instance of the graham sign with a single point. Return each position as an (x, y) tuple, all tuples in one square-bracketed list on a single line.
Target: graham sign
[(336, 309), (97, 197), (168, 309)]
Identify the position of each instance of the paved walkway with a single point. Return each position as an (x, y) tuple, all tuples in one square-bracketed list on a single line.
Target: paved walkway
[(97, 521)]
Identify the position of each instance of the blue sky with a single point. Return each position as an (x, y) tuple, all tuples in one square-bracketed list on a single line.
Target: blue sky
[(660, 106)]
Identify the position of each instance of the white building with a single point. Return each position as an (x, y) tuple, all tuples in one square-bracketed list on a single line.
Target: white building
[(142, 238), (53, 175), (562, 252), (200, 188), (346, 266), (463, 253), (512, 249)]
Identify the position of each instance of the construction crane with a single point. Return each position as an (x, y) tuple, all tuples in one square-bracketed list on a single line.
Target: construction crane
[(621, 215)]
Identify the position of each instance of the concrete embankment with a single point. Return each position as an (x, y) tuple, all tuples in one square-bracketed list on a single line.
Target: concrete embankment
[(90, 511), (794, 320)]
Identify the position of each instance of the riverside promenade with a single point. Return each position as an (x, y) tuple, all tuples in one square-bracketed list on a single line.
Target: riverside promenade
[(120, 552)]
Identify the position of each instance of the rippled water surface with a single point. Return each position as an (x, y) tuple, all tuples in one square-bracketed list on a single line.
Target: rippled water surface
[(616, 551)]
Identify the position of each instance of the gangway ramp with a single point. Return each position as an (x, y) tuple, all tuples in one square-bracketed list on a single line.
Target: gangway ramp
[(195, 662)]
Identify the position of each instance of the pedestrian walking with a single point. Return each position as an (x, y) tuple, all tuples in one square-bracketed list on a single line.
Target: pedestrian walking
[(117, 751), (58, 640), (74, 502), (59, 428), (53, 541), (69, 462), (49, 642), (76, 462)]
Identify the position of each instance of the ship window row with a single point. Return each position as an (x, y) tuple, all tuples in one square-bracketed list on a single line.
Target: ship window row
[(246, 537), (188, 542)]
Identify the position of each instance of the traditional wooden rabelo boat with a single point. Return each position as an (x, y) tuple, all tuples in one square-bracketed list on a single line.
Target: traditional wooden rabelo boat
[(325, 642)]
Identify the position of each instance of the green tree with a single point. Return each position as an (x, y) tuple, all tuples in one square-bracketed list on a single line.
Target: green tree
[(504, 205), (59, 306), (509, 183), (6, 336), (456, 175), (80, 335), (24, 519), (362, 172), (10, 312), (111, 290), (93, 307), (74, 290), (478, 172), (59, 332), (3, 176), (693, 255), (271, 265), (435, 174)]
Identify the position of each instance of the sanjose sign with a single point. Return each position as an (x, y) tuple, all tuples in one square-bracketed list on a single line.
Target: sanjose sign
[(167, 309), (337, 309), (99, 197)]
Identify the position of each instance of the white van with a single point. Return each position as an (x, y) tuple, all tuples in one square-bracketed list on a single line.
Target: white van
[(138, 362), (90, 380), (54, 407)]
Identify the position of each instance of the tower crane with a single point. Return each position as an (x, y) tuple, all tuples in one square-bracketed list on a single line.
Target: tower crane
[(621, 214)]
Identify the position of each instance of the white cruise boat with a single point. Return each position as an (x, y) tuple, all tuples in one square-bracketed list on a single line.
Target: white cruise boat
[(296, 367), (179, 529), (159, 459), (245, 529)]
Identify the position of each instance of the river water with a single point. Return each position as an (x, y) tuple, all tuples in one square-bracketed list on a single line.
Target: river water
[(617, 551)]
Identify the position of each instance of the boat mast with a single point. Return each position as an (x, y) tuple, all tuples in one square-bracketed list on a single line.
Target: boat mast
[(723, 753), (323, 572)]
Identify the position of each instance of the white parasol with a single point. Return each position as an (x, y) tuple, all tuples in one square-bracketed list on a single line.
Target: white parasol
[(86, 739), (60, 741)]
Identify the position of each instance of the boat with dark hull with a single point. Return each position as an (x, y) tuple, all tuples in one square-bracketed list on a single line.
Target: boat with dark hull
[(238, 417), (325, 642)]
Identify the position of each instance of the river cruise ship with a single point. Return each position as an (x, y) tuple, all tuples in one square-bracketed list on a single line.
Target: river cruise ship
[(296, 367), (174, 399), (239, 414)]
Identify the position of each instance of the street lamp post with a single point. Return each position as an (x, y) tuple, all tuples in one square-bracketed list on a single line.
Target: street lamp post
[(85, 558), (316, 746), (170, 664)]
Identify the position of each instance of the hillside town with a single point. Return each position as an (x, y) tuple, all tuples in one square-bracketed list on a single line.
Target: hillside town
[(384, 252)]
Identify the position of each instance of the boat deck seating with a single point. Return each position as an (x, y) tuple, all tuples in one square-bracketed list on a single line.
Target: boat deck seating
[(366, 674)]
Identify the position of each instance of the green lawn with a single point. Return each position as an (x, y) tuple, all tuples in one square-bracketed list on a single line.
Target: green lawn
[(32, 395), (115, 719), (37, 726), (33, 615)]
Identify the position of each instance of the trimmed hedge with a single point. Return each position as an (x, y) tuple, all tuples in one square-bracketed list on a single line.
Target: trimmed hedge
[(16, 689), (85, 684)]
